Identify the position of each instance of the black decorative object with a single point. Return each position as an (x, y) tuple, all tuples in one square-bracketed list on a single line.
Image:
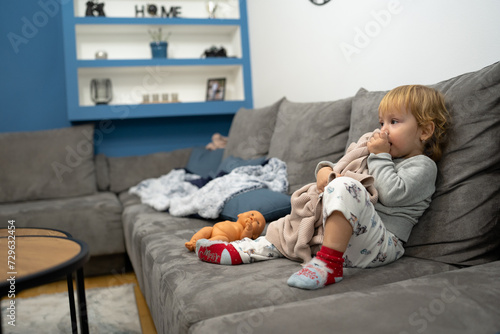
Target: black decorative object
[(215, 52), (94, 8), (320, 2)]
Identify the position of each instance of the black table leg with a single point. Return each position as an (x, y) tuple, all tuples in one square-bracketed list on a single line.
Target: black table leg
[(82, 302), (71, 296)]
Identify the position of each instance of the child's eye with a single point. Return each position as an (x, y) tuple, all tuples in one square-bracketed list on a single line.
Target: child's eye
[(394, 121), (381, 124)]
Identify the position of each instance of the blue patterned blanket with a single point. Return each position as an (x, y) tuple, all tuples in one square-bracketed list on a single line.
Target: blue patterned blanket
[(176, 192)]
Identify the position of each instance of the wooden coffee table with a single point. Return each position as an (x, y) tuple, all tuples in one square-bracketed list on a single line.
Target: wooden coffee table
[(31, 256)]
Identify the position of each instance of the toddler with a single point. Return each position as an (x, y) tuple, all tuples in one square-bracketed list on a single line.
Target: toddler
[(357, 232)]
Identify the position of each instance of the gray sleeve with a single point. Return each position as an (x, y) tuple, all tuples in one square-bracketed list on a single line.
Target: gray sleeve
[(403, 184)]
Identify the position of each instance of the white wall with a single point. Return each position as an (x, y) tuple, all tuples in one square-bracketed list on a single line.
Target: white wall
[(323, 53)]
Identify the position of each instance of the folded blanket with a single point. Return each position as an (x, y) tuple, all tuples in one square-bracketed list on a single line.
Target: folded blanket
[(174, 192), (299, 234), (158, 192), (354, 165)]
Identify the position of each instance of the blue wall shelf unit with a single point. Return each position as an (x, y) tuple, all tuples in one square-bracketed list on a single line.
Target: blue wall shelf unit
[(134, 74)]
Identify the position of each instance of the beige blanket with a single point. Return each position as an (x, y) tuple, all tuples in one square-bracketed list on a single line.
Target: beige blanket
[(300, 234), (354, 164)]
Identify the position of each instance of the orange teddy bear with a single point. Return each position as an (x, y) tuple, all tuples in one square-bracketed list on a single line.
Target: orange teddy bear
[(250, 224)]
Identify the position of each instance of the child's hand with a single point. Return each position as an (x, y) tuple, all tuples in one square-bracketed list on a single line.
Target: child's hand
[(322, 178), (379, 143)]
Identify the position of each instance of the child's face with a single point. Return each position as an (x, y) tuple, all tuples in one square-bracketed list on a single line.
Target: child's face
[(403, 133)]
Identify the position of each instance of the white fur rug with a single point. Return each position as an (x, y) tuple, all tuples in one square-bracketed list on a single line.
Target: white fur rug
[(110, 310)]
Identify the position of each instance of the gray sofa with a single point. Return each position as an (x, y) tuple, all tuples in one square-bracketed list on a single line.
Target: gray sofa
[(48, 179), (447, 281)]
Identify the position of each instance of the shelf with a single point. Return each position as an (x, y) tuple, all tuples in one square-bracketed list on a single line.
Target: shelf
[(131, 111), (154, 21), (134, 74), (130, 84), (227, 9), (131, 41), (159, 62)]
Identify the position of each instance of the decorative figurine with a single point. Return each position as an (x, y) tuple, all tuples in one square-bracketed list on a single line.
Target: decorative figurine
[(101, 54), (94, 8), (100, 91), (211, 8)]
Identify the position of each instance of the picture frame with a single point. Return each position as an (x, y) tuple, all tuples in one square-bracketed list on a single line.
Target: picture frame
[(216, 89)]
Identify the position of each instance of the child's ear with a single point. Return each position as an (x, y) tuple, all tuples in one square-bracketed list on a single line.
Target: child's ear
[(427, 131)]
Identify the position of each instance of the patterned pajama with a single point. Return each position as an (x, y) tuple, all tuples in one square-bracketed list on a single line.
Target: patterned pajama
[(256, 250), (371, 245)]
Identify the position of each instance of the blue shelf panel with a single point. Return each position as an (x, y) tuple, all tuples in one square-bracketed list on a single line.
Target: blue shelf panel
[(154, 21), (99, 112), (159, 62)]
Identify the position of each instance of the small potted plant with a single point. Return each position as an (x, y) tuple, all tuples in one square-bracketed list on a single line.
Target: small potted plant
[(159, 43)]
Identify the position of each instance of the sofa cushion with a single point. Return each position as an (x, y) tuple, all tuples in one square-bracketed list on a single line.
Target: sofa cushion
[(462, 223), (47, 164), (271, 204), (125, 172), (95, 219), (181, 290), (251, 131), (459, 301), (204, 162), (364, 115), (307, 133), (141, 223)]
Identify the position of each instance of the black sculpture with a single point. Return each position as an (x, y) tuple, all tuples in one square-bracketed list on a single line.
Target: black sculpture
[(94, 9), (215, 52)]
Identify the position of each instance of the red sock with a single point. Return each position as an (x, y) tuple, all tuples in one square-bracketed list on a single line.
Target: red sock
[(217, 252), (334, 261), (324, 269)]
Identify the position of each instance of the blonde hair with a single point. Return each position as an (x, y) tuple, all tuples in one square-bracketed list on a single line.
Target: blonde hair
[(427, 105)]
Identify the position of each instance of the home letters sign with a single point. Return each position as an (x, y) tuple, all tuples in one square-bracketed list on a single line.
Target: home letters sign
[(152, 10)]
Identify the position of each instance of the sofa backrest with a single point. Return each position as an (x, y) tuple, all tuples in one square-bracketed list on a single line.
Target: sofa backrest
[(251, 131), (117, 174), (307, 133), (47, 164), (462, 224), (300, 134)]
